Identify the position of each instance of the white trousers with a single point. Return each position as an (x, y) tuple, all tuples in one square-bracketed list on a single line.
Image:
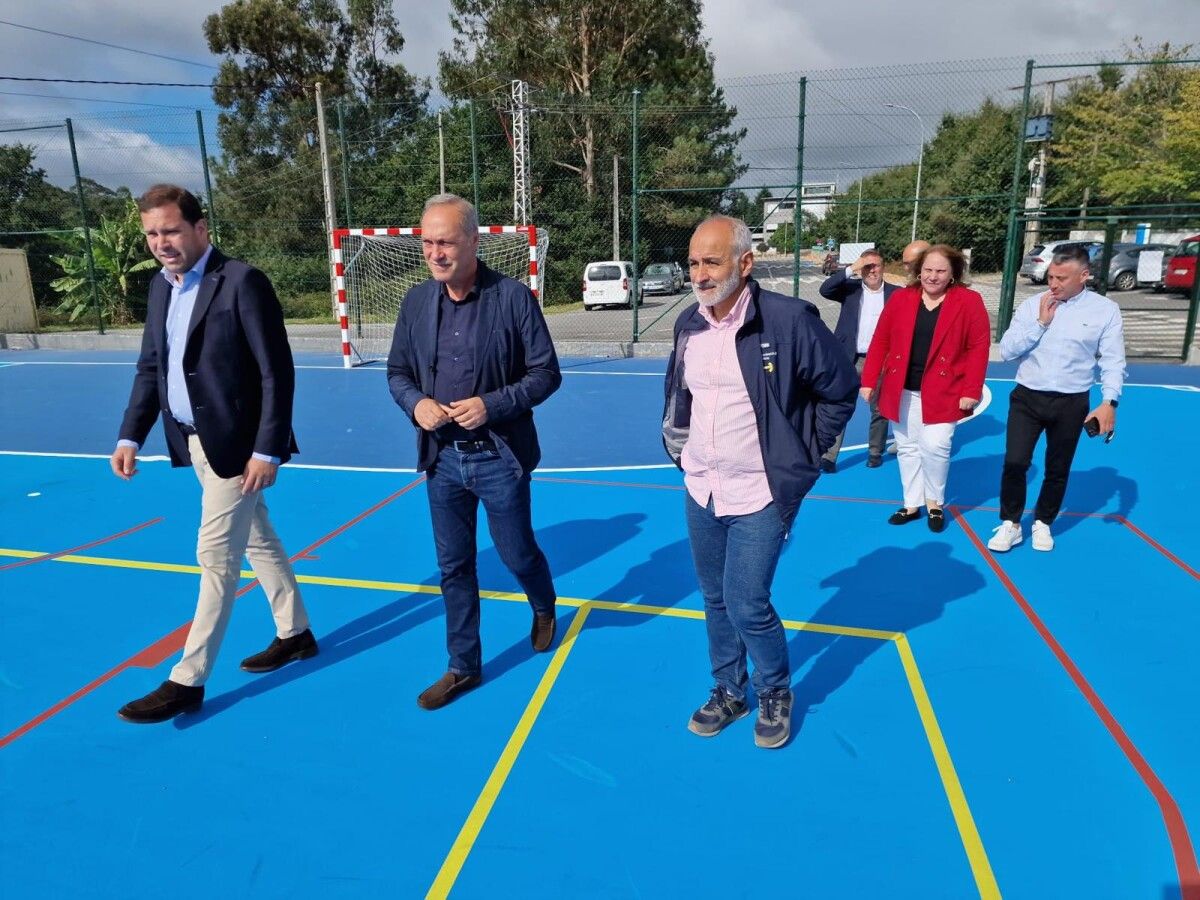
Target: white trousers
[(233, 525), (923, 452)]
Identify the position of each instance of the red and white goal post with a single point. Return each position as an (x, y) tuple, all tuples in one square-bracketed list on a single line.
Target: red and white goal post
[(373, 268)]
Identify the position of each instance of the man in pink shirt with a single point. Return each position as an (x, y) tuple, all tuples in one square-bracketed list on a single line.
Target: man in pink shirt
[(757, 389)]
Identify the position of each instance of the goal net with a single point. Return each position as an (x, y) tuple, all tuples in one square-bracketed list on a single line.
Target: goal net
[(373, 268)]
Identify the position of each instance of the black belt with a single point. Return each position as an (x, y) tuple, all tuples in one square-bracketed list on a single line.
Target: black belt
[(472, 446), (187, 429)]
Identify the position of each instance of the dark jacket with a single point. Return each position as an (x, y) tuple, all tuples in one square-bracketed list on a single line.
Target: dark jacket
[(516, 367), (238, 366), (802, 388), (847, 291)]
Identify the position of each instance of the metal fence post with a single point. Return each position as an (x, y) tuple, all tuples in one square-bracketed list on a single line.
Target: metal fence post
[(87, 232), (1008, 283), (1110, 237), (475, 156), (212, 209), (633, 214), (345, 162), (796, 216)]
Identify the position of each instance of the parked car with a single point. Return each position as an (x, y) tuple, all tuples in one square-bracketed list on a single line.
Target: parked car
[(1181, 267), (1123, 267), (661, 278), (1037, 260), (608, 283)]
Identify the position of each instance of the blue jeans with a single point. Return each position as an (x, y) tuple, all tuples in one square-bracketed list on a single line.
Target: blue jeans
[(735, 559), (455, 485)]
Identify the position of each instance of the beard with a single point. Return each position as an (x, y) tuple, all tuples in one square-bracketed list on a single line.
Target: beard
[(719, 291)]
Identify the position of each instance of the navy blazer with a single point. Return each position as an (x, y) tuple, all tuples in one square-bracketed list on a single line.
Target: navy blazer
[(238, 366), (802, 388), (848, 292), (516, 367)]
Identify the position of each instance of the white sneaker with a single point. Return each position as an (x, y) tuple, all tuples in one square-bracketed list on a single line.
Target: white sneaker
[(1041, 536), (1006, 536)]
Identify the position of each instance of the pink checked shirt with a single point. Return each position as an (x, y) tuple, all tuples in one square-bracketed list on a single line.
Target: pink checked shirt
[(722, 458)]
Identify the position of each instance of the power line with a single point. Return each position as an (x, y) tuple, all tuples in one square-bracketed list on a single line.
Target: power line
[(75, 37), (95, 100), (93, 81)]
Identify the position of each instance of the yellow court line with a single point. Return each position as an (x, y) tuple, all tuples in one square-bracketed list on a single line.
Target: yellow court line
[(453, 863), (968, 833), (981, 868)]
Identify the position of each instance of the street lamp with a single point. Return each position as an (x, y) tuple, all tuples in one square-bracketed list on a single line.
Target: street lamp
[(920, 160)]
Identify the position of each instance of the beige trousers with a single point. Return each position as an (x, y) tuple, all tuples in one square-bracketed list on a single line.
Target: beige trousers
[(233, 525)]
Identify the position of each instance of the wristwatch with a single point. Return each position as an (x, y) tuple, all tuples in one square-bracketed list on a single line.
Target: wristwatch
[(1112, 403)]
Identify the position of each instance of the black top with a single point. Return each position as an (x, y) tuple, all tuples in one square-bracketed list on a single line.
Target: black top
[(921, 342), (454, 371)]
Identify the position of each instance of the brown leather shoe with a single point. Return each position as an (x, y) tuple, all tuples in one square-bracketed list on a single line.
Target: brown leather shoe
[(446, 689), (165, 702), (541, 635)]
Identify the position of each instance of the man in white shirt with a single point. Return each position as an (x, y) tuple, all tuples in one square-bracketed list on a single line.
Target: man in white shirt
[(1059, 336), (861, 291)]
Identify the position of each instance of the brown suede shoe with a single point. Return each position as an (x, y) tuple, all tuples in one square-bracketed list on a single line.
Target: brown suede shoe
[(541, 635), (164, 702), (446, 689), (282, 651)]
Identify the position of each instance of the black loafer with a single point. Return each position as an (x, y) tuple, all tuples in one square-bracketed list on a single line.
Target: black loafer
[(282, 651), (874, 462), (166, 701), (902, 516), (828, 466), (937, 520)]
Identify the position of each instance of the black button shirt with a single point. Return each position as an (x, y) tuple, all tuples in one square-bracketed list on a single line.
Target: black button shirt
[(454, 373)]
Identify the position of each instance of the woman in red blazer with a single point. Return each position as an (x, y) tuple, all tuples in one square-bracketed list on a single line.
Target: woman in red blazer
[(928, 356)]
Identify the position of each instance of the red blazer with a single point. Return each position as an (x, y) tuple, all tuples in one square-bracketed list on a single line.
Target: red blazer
[(957, 361)]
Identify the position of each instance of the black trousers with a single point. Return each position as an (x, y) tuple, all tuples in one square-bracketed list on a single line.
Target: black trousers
[(1029, 414)]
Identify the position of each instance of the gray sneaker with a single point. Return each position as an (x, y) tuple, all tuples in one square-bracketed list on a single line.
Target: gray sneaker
[(774, 725), (721, 709)]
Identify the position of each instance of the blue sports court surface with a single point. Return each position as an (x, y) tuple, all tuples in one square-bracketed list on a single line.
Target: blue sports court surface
[(965, 724)]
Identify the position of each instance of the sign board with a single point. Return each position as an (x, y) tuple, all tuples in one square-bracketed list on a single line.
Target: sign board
[(848, 253), (17, 311), (1150, 266), (1039, 128)]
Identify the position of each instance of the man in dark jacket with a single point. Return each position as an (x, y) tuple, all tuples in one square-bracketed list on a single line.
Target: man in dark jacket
[(216, 365), (757, 389), (862, 292), (471, 356)]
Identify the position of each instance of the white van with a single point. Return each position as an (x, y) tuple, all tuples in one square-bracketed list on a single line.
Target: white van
[(608, 283)]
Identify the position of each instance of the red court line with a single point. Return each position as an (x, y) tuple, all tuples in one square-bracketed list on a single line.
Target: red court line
[(1181, 842), (1159, 547), (87, 546), (169, 644)]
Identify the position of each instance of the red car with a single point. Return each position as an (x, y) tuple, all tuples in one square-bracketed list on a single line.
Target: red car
[(1181, 268)]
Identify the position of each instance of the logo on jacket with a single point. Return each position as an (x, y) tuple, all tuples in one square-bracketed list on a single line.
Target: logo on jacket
[(768, 358)]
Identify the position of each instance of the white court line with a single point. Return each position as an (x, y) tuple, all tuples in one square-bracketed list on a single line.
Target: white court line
[(40, 362), (378, 469)]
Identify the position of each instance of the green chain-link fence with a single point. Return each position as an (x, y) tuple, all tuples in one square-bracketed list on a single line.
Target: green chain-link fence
[(816, 164)]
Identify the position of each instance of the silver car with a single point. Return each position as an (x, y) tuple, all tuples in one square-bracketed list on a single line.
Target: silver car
[(1037, 260), (661, 278)]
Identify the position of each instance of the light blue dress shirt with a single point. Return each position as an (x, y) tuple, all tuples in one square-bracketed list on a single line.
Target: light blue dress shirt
[(1086, 331), (179, 316)]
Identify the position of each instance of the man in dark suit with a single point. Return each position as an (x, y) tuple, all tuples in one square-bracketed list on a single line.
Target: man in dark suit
[(471, 356), (862, 292), (215, 362)]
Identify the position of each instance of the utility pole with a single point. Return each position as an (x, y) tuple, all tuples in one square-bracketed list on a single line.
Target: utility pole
[(441, 156), (327, 187), (520, 138), (858, 215), (616, 211)]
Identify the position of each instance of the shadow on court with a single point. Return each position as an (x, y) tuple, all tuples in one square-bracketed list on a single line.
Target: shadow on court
[(568, 545), (889, 589)]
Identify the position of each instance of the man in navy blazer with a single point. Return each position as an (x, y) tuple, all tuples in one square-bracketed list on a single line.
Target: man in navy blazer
[(862, 292), (471, 356), (216, 365)]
